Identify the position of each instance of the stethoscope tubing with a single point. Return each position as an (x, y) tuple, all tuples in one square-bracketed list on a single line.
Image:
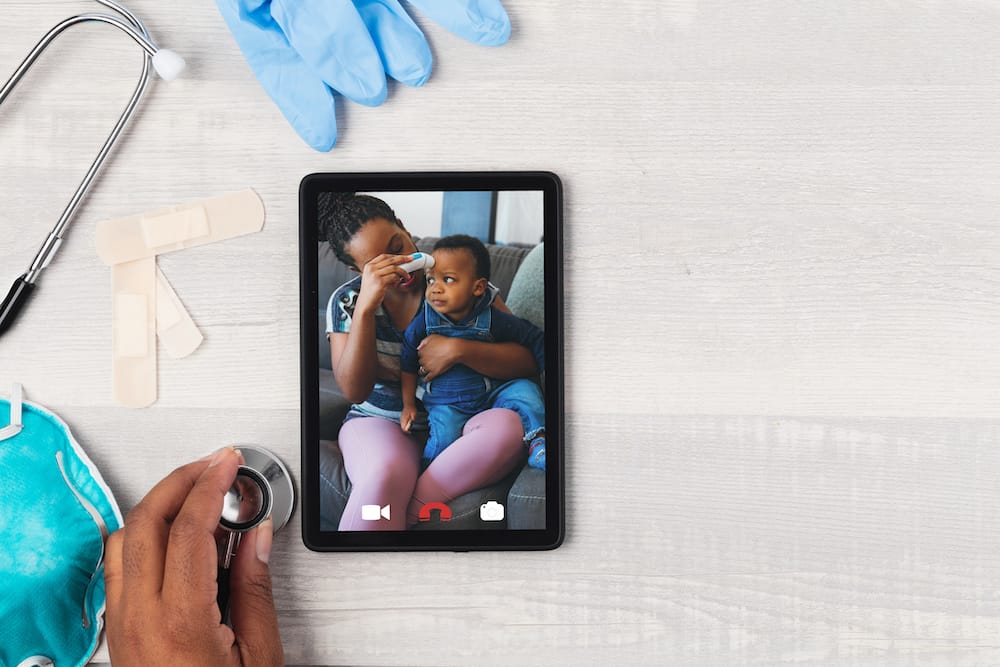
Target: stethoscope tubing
[(134, 28)]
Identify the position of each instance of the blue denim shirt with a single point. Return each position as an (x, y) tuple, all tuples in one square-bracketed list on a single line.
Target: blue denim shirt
[(461, 384)]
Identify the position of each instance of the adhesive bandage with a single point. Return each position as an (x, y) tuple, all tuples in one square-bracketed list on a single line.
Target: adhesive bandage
[(178, 227), (133, 335), (145, 306), (174, 327)]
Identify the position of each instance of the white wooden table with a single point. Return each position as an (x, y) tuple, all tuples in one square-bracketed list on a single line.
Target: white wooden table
[(782, 307)]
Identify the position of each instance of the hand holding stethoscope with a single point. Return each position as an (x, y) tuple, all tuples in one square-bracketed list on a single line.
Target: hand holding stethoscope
[(163, 607)]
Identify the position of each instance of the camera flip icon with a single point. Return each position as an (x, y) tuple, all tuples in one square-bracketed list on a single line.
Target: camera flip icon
[(491, 511)]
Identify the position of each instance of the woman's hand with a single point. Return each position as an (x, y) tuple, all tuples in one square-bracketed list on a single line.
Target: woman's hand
[(437, 354), (504, 361), (377, 276), (160, 575)]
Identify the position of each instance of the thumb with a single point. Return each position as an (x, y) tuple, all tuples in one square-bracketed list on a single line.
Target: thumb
[(255, 621)]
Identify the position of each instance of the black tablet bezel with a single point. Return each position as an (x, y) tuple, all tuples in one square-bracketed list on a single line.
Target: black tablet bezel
[(440, 540)]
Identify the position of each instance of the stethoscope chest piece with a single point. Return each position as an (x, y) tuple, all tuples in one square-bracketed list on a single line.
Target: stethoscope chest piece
[(262, 488), (248, 502)]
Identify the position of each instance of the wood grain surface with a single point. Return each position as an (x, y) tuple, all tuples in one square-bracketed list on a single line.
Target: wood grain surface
[(782, 301)]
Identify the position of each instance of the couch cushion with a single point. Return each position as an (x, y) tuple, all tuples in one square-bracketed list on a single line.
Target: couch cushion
[(332, 273), (527, 291), (526, 500), (334, 486)]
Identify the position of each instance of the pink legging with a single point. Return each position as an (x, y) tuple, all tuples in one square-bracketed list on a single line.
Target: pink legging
[(382, 462)]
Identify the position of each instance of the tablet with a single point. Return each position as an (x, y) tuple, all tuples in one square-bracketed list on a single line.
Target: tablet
[(432, 361)]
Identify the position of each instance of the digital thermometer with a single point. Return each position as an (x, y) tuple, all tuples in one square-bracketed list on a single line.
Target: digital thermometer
[(421, 260)]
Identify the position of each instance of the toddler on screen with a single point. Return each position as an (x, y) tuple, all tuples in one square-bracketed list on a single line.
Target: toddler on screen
[(458, 304)]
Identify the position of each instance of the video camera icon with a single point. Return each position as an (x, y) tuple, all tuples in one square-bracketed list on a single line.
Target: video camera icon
[(375, 512)]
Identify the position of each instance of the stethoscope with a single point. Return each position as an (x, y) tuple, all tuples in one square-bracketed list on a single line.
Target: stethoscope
[(262, 488), (166, 63)]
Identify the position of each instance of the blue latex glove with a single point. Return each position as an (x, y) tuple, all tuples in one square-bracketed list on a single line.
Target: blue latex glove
[(304, 50)]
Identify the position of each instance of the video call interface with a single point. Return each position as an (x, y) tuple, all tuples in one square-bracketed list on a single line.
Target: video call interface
[(447, 289)]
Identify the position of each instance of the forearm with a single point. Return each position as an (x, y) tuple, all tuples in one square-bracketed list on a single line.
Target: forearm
[(499, 303), (356, 369), (504, 361), (408, 383)]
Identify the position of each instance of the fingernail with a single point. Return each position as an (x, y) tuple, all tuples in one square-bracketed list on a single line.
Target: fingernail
[(265, 531), (220, 456), (239, 453)]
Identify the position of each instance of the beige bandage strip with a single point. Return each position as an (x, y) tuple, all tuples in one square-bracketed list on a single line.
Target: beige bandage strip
[(133, 338), (178, 227), (144, 303), (174, 327)]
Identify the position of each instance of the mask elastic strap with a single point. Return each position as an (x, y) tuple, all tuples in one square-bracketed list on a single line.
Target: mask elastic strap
[(15, 426), (36, 661), (95, 516)]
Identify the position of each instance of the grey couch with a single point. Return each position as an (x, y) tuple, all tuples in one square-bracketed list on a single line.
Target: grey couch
[(523, 489)]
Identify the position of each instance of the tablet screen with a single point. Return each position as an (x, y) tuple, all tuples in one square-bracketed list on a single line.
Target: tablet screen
[(431, 361)]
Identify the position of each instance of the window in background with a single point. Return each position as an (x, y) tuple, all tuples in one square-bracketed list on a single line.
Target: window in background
[(419, 211), (519, 217)]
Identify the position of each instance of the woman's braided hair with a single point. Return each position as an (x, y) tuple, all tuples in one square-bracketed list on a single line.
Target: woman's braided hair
[(341, 214)]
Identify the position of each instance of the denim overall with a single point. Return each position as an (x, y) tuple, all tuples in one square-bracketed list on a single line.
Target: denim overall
[(453, 398)]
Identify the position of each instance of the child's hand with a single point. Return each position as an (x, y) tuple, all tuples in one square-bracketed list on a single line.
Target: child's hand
[(407, 416)]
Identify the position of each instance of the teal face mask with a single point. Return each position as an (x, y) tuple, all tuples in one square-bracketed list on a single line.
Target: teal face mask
[(57, 512)]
